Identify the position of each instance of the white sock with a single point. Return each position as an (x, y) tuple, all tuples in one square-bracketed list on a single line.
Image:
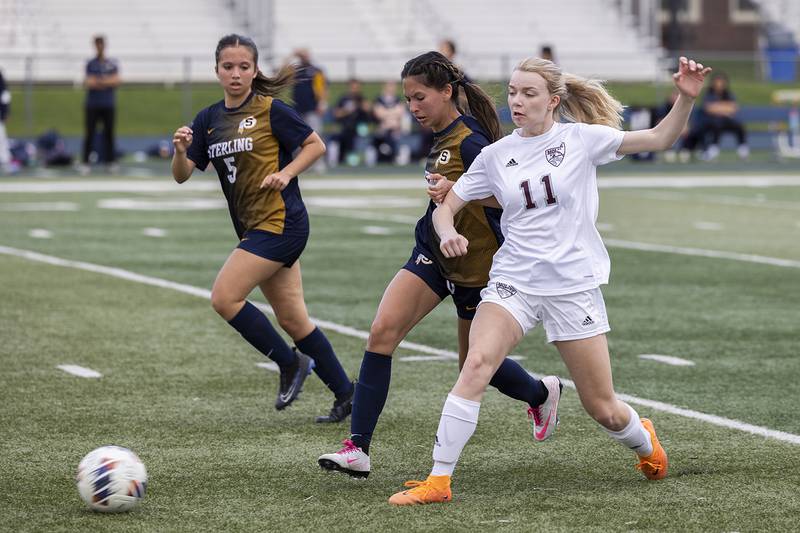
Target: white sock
[(456, 426), (634, 435)]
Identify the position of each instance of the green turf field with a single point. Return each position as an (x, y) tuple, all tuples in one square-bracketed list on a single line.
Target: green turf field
[(707, 274)]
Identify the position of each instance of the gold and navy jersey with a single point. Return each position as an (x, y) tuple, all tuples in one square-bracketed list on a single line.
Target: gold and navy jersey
[(246, 144), (454, 149)]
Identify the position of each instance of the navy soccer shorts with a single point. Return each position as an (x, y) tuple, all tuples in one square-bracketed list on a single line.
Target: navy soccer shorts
[(466, 299), (283, 248)]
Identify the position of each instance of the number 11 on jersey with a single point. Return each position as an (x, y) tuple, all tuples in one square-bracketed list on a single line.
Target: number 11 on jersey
[(550, 198)]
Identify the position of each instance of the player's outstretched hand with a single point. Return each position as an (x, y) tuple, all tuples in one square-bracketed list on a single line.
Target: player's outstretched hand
[(454, 245), (277, 181), (690, 77), (182, 139), (438, 187)]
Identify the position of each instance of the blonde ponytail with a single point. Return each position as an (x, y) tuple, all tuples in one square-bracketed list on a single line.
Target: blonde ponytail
[(589, 102)]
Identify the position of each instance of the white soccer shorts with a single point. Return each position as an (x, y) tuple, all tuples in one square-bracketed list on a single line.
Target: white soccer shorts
[(565, 317)]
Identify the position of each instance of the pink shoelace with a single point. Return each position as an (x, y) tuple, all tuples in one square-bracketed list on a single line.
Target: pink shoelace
[(533, 412), (349, 447)]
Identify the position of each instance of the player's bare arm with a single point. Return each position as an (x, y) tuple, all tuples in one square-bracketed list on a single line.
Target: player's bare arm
[(689, 81)]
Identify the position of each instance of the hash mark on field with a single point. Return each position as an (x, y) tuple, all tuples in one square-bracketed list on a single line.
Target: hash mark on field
[(707, 226), (39, 233), (377, 230), (269, 366), (80, 371), (154, 232), (667, 359), (604, 226), (360, 334)]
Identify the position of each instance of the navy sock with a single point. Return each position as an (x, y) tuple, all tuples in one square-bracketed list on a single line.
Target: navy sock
[(372, 388), (328, 368), (256, 329), (514, 381)]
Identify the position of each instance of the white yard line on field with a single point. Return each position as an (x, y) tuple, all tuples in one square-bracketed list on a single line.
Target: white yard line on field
[(352, 332), (758, 201), (39, 206), (667, 359), (614, 243)]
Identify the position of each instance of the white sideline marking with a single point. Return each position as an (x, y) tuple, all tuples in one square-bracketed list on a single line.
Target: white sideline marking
[(80, 371), (377, 230), (181, 204), (269, 366), (352, 332), (365, 184), (667, 359), (39, 206), (363, 202), (39, 233), (707, 226), (154, 232), (360, 215)]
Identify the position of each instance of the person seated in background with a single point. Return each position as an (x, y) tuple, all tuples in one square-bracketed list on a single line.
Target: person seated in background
[(352, 112), (390, 114), (719, 109)]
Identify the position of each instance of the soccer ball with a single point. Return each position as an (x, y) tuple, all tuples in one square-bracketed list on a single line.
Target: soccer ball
[(111, 479)]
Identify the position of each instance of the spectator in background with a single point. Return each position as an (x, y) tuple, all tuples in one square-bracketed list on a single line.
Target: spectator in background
[(310, 94), (5, 105), (448, 49), (719, 108), (390, 113), (352, 113), (102, 80), (546, 52)]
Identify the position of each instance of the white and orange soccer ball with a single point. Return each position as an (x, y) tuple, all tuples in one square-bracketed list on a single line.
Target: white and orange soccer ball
[(111, 479)]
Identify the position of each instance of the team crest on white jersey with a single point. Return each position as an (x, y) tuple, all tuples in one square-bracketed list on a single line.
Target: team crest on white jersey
[(505, 290), (248, 123), (444, 158), (555, 155)]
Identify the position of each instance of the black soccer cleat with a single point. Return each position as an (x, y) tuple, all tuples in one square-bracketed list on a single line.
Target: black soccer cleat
[(292, 379), (341, 409)]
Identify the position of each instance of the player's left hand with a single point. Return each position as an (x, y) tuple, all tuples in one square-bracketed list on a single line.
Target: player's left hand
[(438, 187), (277, 181), (690, 77)]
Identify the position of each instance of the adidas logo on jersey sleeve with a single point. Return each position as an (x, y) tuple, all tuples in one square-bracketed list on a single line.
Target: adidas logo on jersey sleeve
[(511, 163)]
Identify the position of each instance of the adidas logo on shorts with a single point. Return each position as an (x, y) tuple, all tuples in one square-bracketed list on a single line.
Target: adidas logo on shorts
[(587, 321), (511, 163)]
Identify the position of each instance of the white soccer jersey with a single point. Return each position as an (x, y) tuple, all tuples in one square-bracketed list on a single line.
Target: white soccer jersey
[(547, 186)]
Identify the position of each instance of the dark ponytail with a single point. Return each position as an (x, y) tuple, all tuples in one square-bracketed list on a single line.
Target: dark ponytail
[(261, 84), (435, 70)]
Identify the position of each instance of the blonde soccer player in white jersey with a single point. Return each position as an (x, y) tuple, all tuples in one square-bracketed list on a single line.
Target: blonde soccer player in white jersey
[(552, 263)]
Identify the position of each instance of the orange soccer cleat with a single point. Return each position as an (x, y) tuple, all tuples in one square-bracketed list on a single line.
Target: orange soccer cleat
[(435, 489), (655, 465)]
